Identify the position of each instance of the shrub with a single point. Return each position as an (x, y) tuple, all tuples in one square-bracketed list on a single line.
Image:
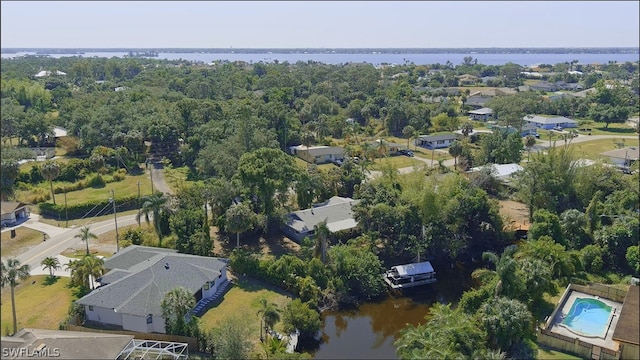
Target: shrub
[(118, 176), (97, 181), (91, 208)]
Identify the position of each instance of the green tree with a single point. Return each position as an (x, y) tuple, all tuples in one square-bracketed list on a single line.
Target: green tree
[(50, 263), (506, 321), (455, 150), (269, 314), (238, 219), (156, 205), (85, 234), (529, 142), (632, 258), (509, 284), (176, 306), (231, 338), (322, 235), (10, 170), (408, 131), (50, 170), (358, 269), (447, 334), (298, 315), (467, 128), (12, 272)]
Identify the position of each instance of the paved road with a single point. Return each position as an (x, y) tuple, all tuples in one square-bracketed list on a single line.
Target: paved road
[(159, 183), (60, 239)]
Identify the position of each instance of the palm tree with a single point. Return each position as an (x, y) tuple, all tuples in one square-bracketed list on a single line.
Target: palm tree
[(175, 306), (85, 234), (467, 128), (50, 170), (239, 218), (274, 346), (455, 150), (92, 267), (529, 142), (50, 263), (154, 205), (408, 131), (322, 234), (12, 271), (269, 314)]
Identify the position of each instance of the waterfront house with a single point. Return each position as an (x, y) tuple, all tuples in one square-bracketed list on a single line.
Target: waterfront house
[(139, 277), (548, 122), (337, 212), (410, 275), (436, 141)]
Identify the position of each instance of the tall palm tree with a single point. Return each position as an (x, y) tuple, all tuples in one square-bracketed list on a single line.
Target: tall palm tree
[(50, 170), (92, 268), (238, 219), (12, 272), (455, 150), (322, 234), (269, 314), (175, 306), (408, 131), (50, 263), (274, 346), (154, 205), (85, 234), (529, 142)]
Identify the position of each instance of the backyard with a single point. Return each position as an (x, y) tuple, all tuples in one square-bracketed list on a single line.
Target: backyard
[(25, 239)]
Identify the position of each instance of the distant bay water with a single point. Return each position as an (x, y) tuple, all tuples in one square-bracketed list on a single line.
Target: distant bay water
[(375, 58)]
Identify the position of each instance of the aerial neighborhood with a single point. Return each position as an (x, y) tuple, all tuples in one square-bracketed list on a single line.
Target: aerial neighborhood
[(156, 208)]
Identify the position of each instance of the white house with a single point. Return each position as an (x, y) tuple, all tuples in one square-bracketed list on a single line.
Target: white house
[(435, 141), (503, 172), (549, 122), (318, 154), (13, 212), (337, 211), (138, 279), (482, 114)]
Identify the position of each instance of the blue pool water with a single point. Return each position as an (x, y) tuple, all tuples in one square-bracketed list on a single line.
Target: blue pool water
[(588, 317)]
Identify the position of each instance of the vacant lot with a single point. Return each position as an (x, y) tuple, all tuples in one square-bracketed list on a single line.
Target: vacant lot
[(25, 239), (38, 305), (592, 149), (515, 214)]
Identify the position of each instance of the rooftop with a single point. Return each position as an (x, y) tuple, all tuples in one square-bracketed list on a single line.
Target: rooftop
[(337, 211), (630, 153)]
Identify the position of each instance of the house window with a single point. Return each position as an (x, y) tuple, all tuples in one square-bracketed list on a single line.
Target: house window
[(206, 286), (90, 307), (149, 318)]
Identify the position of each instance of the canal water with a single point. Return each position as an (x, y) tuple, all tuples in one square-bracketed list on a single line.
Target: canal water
[(369, 331)]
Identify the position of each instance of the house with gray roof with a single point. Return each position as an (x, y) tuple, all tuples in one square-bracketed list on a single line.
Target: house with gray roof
[(623, 157), (483, 114), (317, 154), (548, 122), (436, 141), (337, 212), (477, 102), (139, 277)]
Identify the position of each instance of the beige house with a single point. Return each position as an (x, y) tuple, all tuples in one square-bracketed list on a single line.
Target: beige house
[(318, 154), (13, 212)]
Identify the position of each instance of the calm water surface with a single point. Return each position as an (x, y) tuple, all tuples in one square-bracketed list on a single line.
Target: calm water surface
[(369, 331)]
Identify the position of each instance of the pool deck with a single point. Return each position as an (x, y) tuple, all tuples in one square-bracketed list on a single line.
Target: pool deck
[(564, 308)]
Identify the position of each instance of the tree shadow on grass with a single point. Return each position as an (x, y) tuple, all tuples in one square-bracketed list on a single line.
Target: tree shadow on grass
[(49, 280), (78, 291)]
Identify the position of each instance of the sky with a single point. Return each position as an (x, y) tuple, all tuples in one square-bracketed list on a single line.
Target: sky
[(319, 24)]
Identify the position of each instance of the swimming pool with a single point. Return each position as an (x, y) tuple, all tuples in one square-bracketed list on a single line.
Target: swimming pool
[(588, 317)]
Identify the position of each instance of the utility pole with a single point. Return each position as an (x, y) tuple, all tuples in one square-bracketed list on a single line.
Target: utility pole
[(138, 203), (115, 218), (66, 211)]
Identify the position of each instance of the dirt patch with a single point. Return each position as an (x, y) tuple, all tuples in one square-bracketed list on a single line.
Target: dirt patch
[(515, 214), (274, 244)]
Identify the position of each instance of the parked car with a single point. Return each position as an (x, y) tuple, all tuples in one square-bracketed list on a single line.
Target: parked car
[(408, 153)]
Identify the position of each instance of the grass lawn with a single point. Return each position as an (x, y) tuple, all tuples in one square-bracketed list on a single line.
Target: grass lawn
[(396, 162), (598, 128), (592, 149), (175, 177), (242, 299), (25, 239), (78, 222), (38, 305), (126, 187), (548, 354)]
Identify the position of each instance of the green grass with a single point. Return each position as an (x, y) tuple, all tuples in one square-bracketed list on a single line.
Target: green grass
[(548, 354), (592, 149), (25, 238), (242, 299), (38, 305), (175, 177), (124, 188), (396, 162), (598, 128)]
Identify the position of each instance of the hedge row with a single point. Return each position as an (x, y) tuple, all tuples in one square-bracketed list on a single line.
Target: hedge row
[(89, 208)]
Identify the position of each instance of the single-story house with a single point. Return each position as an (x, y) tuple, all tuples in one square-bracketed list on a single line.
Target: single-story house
[(392, 148), (13, 212), (543, 86), (467, 79), (139, 277), (477, 102), (317, 154), (621, 157), (503, 172), (627, 332), (550, 122), (525, 129), (337, 212), (435, 141), (59, 132), (584, 93), (482, 114)]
